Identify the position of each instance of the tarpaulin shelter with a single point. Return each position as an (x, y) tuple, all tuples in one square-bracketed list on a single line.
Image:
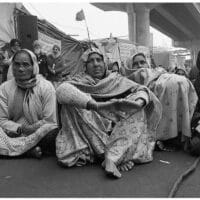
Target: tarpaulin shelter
[(115, 49), (47, 33), (120, 50)]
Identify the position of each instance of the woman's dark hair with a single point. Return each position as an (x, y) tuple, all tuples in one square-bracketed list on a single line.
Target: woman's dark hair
[(14, 41), (198, 61), (22, 51)]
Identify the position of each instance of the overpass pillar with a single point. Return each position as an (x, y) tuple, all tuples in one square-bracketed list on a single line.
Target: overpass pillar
[(142, 25), (131, 22)]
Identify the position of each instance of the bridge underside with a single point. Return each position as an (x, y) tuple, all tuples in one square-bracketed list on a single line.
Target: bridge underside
[(179, 21)]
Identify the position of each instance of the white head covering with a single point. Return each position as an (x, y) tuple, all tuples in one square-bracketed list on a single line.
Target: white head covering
[(34, 60), (91, 50), (129, 62)]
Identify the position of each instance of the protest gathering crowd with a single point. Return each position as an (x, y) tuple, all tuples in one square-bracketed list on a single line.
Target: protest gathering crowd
[(106, 114)]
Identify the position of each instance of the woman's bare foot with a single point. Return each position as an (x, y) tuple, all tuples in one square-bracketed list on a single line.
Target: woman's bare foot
[(111, 169), (126, 166)]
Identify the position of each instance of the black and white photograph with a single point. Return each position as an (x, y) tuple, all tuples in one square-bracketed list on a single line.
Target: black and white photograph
[(99, 99)]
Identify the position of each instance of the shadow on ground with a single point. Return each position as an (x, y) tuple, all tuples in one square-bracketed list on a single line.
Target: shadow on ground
[(25, 177)]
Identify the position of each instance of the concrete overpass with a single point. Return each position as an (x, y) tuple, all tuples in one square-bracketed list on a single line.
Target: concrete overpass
[(179, 21)]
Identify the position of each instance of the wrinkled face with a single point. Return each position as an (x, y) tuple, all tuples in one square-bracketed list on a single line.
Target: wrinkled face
[(95, 66), (139, 62), (22, 66), (16, 47)]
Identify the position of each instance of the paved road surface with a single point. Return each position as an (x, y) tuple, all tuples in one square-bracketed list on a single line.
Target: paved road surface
[(25, 177)]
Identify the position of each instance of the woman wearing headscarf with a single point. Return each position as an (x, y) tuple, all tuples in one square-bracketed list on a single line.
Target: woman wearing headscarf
[(181, 70), (92, 101), (176, 94), (27, 108), (56, 66)]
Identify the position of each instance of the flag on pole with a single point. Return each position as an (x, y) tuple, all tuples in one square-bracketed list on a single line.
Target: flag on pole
[(80, 15)]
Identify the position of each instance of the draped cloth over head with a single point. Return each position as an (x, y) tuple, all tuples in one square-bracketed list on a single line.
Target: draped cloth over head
[(90, 51), (143, 76), (23, 97), (176, 94), (28, 83), (33, 103), (86, 55)]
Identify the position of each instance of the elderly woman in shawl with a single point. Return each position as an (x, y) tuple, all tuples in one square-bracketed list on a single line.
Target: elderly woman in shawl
[(94, 100), (177, 95), (27, 109)]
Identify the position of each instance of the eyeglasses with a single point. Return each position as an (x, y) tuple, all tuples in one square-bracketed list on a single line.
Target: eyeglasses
[(141, 62)]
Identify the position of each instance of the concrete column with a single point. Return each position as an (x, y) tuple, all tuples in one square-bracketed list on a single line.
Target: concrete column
[(142, 25), (131, 22), (194, 53)]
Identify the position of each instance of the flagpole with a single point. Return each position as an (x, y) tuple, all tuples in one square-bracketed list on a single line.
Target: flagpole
[(81, 16), (88, 32)]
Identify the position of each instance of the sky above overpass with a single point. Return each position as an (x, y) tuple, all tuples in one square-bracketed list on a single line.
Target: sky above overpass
[(100, 23)]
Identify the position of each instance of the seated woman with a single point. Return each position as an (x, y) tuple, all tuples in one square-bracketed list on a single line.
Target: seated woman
[(91, 102), (27, 109), (176, 94)]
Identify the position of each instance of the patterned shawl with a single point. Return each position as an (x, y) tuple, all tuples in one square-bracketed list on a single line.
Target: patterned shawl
[(24, 93), (118, 86)]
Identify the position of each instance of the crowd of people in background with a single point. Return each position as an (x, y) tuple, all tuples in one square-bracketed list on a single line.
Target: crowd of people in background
[(112, 114)]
